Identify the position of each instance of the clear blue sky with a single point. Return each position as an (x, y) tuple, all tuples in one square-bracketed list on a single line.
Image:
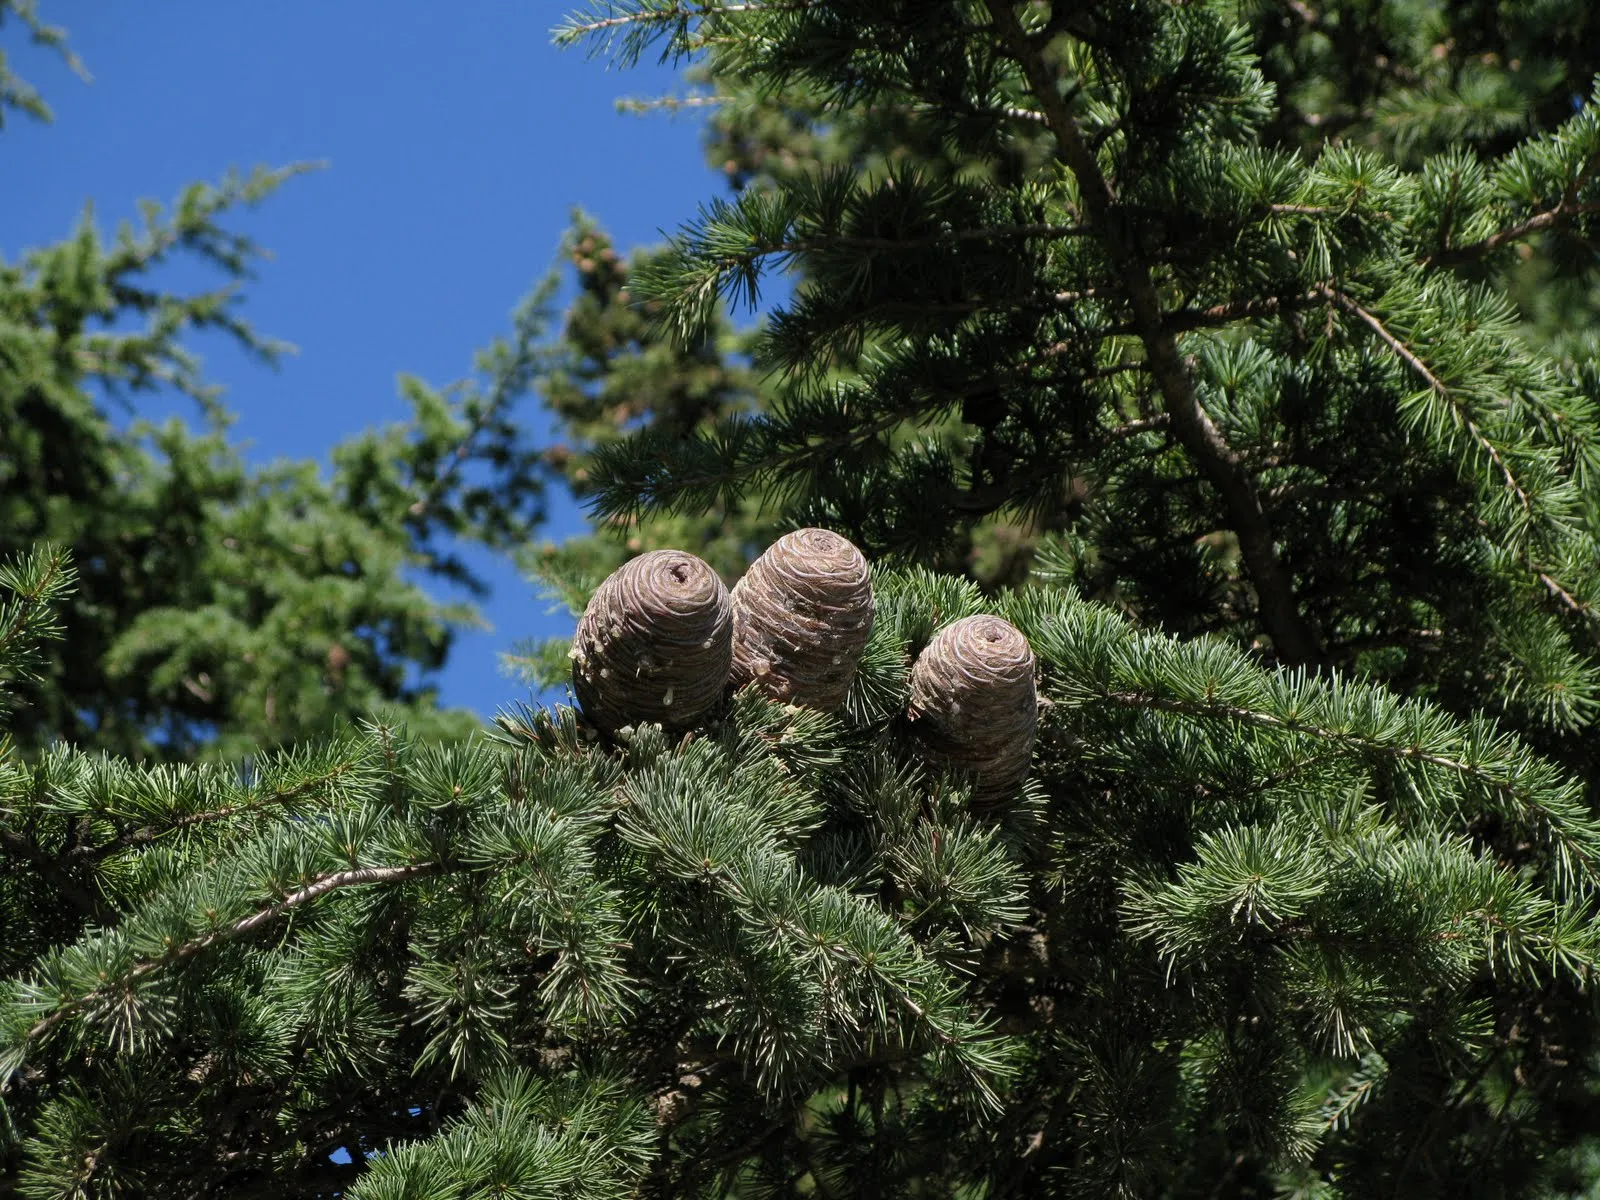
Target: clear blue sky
[(457, 138)]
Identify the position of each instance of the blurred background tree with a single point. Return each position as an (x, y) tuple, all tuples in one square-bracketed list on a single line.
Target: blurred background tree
[(222, 606)]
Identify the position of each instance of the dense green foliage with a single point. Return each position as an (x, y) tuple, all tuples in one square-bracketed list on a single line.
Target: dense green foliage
[(1240, 355), (1348, 423), (784, 946), (964, 345)]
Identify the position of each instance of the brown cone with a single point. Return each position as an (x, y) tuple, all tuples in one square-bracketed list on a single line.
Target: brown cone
[(802, 615), (654, 643), (973, 705)]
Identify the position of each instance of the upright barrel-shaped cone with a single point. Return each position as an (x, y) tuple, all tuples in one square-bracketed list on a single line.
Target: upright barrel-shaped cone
[(973, 705), (654, 644), (802, 615)]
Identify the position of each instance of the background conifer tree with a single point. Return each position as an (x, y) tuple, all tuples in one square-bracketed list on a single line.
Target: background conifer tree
[(1300, 896), (221, 606)]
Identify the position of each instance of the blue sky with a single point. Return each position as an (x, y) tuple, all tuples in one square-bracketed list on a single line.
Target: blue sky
[(456, 147)]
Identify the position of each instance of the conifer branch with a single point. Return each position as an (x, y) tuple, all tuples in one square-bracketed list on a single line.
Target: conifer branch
[(512, 377), (1437, 386), (36, 582), (145, 834), (1566, 598), (639, 21), (1496, 457), (1191, 424), (1185, 319), (1513, 233), (318, 887), (81, 897), (676, 12), (1135, 428), (840, 947), (1037, 229), (811, 243), (1567, 206), (1527, 802)]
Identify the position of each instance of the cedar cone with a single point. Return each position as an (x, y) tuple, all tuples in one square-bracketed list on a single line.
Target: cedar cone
[(802, 615), (654, 643), (973, 705)]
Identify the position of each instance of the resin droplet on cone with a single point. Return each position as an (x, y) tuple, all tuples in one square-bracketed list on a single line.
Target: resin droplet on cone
[(802, 615), (974, 707), (654, 643)]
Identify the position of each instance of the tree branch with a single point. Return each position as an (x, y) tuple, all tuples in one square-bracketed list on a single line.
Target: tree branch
[(1436, 385), (577, 30), (25, 612), (1512, 233), (1184, 319), (757, 251), (1135, 428), (145, 834), (1531, 807), (1191, 425), (320, 886)]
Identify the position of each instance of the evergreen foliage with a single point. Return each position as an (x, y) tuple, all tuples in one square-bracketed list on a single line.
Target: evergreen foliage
[(1232, 900), (221, 606), (1366, 75), (15, 92), (1223, 373), (1210, 323), (606, 373)]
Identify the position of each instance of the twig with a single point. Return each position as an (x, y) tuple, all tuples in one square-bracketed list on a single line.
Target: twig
[(318, 887), (1561, 593), (1513, 233), (145, 834), (1134, 428), (1435, 385)]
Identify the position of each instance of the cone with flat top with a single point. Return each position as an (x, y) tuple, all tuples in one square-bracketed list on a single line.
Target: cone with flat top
[(974, 707), (802, 615), (654, 643)]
